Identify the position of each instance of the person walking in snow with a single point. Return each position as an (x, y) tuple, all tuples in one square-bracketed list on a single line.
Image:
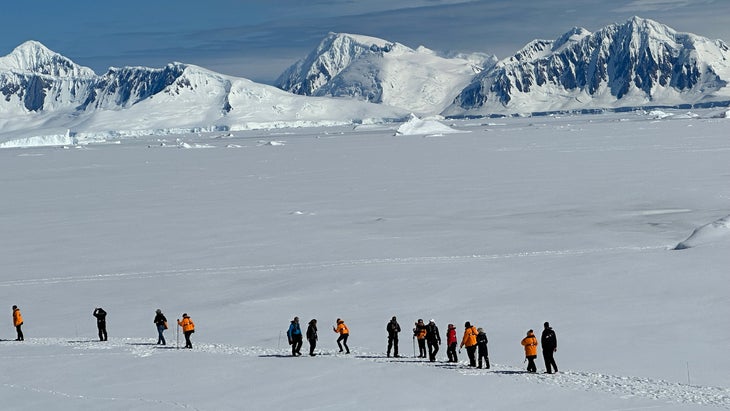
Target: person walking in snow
[(312, 336), (482, 346), (433, 338), (188, 329), (393, 328), (100, 315), (161, 323), (18, 323), (294, 334), (470, 342), (344, 334), (451, 343), (530, 344), (419, 332), (549, 343)]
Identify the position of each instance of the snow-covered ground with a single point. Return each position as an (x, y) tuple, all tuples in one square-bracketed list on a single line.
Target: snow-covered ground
[(571, 220)]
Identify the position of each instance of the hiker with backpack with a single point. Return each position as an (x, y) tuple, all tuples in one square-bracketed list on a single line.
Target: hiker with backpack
[(294, 334)]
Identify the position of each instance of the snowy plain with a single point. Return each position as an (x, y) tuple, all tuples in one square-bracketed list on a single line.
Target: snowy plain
[(510, 223)]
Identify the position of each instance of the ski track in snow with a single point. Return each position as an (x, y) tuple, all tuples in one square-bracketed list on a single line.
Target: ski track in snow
[(623, 386), (323, 264)]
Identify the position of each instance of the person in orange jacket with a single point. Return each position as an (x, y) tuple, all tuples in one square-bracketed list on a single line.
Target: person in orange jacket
[(470, 341), (420, 331), (344, 334), (530, 344), (188, 329), (18, 322)]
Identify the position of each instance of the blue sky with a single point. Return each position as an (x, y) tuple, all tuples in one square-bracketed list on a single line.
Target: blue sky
[(258, 39)]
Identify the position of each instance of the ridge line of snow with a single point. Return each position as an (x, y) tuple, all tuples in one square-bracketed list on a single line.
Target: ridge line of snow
[(322, 264)]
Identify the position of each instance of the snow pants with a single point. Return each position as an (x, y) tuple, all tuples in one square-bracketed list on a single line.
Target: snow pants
[(547, 355), (451, 352), (421, 348), (343, 339), (433, 348), (471, 352), (393, 344)]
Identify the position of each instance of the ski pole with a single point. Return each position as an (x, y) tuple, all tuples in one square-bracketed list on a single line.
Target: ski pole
[(177, 333), (414, 346)]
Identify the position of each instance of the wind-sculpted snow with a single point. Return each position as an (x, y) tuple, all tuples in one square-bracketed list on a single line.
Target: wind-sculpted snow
[(707, 234), (417, 126)]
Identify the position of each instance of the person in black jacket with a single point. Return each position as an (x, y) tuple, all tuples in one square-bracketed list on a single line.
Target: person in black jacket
[(312, 336), (482, 347), (100, 315), (161, 323), (393, 329), (433, 338), (549, 344)]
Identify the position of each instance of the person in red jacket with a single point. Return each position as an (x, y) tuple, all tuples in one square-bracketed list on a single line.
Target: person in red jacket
[(530, 344), (451, 343)]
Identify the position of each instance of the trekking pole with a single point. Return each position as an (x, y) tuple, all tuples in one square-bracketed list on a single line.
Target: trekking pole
[(414, 346), (177, 334)]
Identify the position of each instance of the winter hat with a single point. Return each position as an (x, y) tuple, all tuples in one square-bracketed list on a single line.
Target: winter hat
[(432, 321), (296, 319), (547, 324), (393, 318), (313, 321), (158, 311), (185, 315), (451, 326), (467, 324), (420, 320), (480, 330)]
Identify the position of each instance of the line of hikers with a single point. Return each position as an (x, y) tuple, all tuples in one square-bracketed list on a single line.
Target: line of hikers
[(428, 336), (186, 323)]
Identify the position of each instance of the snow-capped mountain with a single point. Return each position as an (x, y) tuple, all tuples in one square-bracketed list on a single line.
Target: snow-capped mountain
[(638, 63), (376, 70), (45, 94)]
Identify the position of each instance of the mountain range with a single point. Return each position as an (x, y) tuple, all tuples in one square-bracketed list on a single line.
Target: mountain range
[(359, 79)]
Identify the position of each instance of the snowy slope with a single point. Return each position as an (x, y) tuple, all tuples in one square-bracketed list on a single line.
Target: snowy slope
[(50, 100), (385, 72), (569, 219), (637, 63)]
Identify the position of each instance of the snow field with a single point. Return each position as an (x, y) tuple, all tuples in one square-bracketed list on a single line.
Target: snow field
[(570, 220)]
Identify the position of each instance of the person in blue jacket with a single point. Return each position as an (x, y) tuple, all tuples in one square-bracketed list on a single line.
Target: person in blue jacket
[(294, 334)]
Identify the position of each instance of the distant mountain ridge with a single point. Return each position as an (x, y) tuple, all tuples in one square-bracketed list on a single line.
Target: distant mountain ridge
[(45, 94), (638, 63), (379, 71)]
